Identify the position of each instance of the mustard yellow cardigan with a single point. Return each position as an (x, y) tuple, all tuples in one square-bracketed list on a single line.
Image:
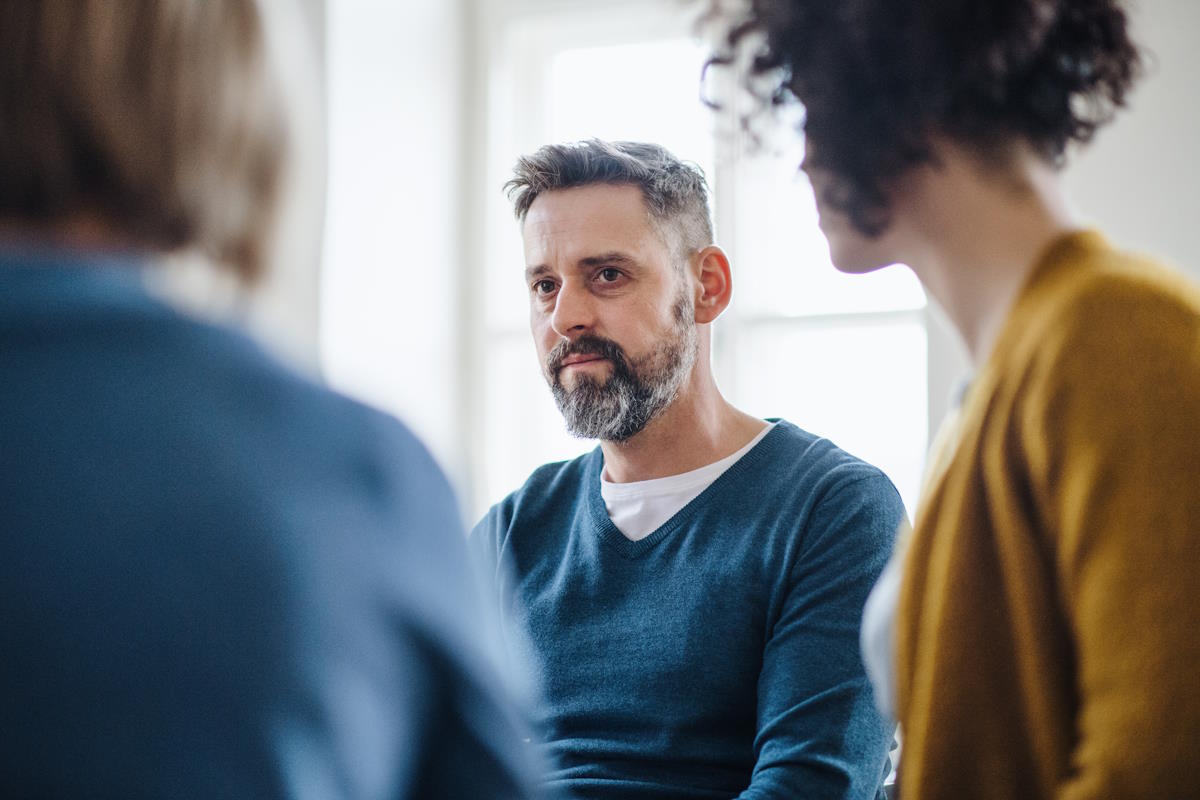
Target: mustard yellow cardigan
[(1048, 635)]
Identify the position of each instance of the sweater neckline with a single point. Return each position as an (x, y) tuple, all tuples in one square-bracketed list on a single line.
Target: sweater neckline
[(612, 536), (1068, 250)]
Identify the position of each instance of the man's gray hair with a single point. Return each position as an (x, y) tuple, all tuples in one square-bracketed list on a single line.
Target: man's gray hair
[(675, 192)]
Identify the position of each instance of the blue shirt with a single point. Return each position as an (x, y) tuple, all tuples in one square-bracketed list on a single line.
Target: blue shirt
[(218, 579), (719, 654)]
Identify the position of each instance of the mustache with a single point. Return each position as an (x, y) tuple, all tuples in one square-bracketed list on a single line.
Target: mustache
[(586, 345)]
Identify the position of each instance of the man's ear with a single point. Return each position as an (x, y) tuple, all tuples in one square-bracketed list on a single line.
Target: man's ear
[(714, 283)]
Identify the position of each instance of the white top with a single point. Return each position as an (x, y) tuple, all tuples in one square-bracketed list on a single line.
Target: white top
[(877, 636), (639, 508)]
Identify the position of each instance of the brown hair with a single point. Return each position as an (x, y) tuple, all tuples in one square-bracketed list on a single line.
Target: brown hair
[(158, 117), (675, 191)]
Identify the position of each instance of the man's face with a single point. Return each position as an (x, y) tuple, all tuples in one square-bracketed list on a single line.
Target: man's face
[(611, 313)]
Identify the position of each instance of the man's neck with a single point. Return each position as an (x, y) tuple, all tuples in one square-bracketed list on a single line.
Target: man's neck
[(698, 428)]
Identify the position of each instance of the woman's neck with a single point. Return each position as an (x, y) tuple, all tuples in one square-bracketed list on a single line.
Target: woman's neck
[(977, 232)]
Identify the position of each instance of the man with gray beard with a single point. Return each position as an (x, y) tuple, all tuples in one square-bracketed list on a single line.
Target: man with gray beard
[(691, 588)]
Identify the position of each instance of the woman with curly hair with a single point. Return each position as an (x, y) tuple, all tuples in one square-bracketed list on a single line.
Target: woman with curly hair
[(1044, 638)]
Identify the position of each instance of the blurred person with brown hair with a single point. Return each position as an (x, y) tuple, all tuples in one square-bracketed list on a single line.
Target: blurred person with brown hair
[(216, 578), (1046, 630)]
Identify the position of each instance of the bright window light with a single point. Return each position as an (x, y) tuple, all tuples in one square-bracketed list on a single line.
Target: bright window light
[(648, 91), (841, 356)]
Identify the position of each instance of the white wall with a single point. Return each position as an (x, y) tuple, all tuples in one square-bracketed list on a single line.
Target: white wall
[(1140, 179), (285, 310), (390, 326)]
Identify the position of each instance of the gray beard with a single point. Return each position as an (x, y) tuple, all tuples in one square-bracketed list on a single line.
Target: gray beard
[(616, 409), (613, 411)]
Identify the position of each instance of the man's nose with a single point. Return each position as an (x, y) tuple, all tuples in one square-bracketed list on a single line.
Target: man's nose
[(574, 311)]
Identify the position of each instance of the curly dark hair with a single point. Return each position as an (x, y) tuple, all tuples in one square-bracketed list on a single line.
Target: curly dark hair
[(879, 78)]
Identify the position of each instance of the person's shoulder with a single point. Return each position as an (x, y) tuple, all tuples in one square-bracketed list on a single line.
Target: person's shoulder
[(552, 488), (1119, 319), (1109, 299), (1109, 362), (831, 482), (1127, 278), (239, 422), (288, 446), (811, 458), (846, 507), (277, 399), (547, 485)]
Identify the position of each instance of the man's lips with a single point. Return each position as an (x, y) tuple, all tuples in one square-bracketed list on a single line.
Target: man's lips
[(571, 361)]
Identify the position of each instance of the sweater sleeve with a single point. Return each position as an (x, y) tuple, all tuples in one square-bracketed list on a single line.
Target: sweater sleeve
[(1115, 441), (819, 733)]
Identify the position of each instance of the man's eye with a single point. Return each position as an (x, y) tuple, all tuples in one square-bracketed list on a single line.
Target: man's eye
[(610, 275), (544, 286)]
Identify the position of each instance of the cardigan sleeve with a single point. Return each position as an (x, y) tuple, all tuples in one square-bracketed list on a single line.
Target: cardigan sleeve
[(1114, 427), (819, 732)]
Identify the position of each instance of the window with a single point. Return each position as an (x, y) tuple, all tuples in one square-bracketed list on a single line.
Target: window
[(842, 356)]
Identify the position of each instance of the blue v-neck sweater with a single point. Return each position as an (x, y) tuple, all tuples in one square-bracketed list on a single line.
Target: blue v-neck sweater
[(719, 654)]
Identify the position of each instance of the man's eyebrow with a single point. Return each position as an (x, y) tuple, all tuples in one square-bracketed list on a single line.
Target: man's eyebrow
[(533, 272), (612, 257)]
